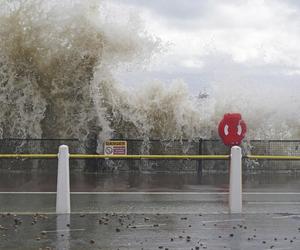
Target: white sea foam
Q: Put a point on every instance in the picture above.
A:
(57, 63)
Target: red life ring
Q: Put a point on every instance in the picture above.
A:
(232, 129)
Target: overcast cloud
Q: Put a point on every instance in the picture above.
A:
(254, 41)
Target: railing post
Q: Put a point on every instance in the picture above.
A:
(63, 205)
(200, 161)
(235, 181)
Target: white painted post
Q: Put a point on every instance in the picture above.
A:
(63, 205)
(63, 227)
(235, 181)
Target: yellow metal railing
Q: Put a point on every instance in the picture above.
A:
(208, 157)
(26, 156)
(272, 157)
(89, 156)
(137, 157)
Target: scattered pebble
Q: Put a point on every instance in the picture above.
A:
(18, 221)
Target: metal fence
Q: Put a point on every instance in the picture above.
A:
(273, 147)
(38, 146)
(136, 146)
(212, 147)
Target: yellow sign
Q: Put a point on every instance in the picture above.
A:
(115, 148)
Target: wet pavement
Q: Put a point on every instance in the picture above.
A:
(151, 231)
(149, 211)
(151, 203)
(45, 181)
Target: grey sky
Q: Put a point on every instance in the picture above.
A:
(222, 41)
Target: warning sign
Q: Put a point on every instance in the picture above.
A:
(115, 148)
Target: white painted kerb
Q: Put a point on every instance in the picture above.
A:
(235, 181)
(63, 205)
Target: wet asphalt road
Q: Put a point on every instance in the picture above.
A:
(34, 191)
(151, 231)
(45, 181)
(150, 203)
(154, 211)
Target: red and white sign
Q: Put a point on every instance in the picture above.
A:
(232, 129)
(115, 148)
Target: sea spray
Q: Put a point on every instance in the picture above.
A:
(57, 64)
(270, 111)
(49, 53)
(155, 111)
